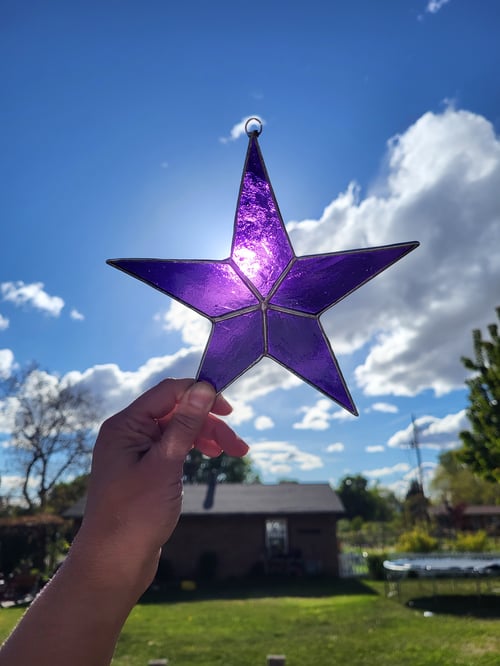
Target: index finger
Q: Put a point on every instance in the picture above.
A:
(221, 406)
(216, 434)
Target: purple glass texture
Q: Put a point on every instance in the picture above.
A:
(310, 356)
(263, 300)
(235, 344)
(261, 248)
(197, 284)
(313, 284)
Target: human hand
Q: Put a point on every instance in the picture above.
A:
(135, 490)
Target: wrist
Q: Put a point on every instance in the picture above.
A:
(78, 615)
(110, 564)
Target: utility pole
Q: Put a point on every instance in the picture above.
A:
(420, 506)
(414, 444)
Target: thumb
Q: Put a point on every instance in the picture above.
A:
(187, 421)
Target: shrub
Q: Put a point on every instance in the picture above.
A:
(472, 543)
(417, 540)
(375, 564)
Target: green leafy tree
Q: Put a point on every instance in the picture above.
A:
(387, 505)
(362, 502)
(416, 504)
(63, 495)
(455, 484)
(357, 501)
(481, 443)
(223, 469)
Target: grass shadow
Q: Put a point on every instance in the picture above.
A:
(255, 588)
(484, 606)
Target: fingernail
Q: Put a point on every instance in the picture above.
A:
(201, 395)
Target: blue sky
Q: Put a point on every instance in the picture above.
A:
(119, 138)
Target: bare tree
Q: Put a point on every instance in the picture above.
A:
(51, 431)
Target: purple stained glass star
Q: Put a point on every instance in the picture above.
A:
(264, 300)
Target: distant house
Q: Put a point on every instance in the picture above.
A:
(470, 517)
(288, 528)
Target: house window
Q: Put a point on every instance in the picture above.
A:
(276, 537)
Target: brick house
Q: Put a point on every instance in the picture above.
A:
(287, 528)
(469, 517)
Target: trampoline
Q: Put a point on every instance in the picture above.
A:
(442, 567)
(450, 572)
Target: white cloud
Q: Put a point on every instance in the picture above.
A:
(276, 457)
(337, 447)
(116, 388)
(77, 316)
(427, 471)
(8, 409)
(440, 186)
(4, 323)
(32, 295)
(433, 6)
(243, 412)
(449, 424)
(38, 382)
(263, 423)
(316, 417)
(432, 432)
(6, 363)
(10, 483)
(193, 328)
(11, 487)
(263, 379)
(239, 129)
(398, 487)
(376, 448)
(401, 485)
(384, 407)
(380, 472)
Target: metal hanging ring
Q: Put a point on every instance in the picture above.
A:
(255, 132)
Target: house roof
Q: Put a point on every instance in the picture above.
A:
(252, 499)
(471, 510)
(258, 498)
(482, 510)
(31, 521)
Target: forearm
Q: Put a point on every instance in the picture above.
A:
(87, 603)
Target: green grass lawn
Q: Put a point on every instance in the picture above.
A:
(312, 623)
